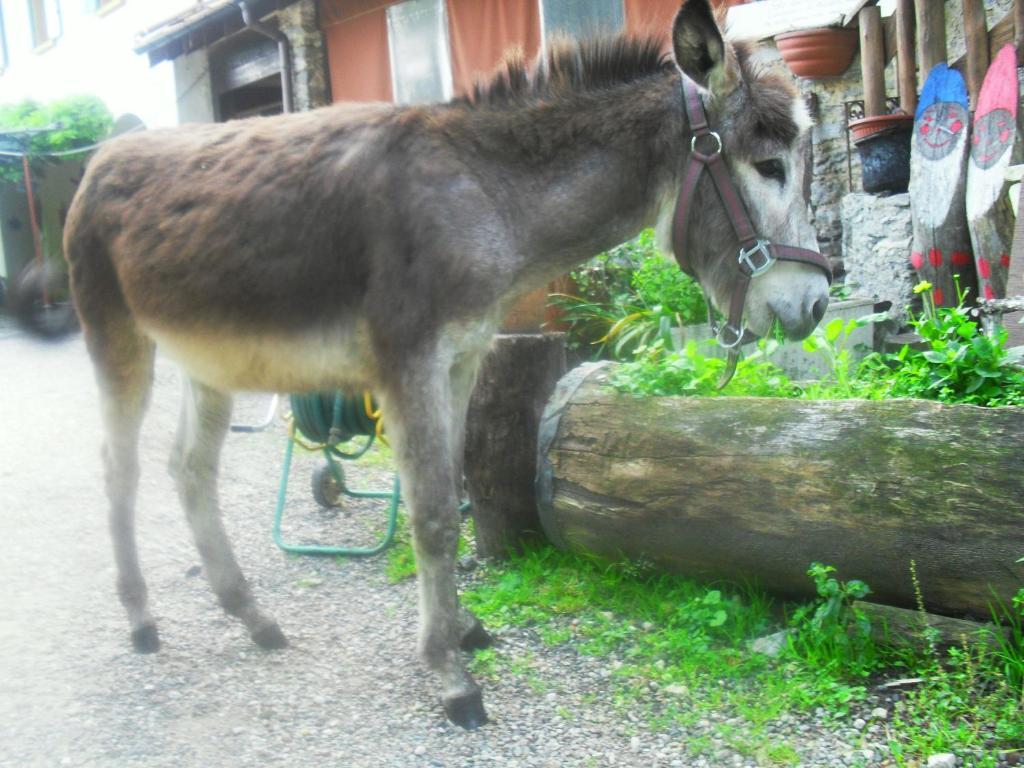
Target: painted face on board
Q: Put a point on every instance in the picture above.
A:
(993, 134)
(939, 129)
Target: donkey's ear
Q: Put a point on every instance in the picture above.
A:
(702, 53)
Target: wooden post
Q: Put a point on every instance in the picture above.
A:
(931, 34)
(872, 60)
(906, 67)
(989, 213)
(1018, 30)
(1015, 280)
(514, 384)
(976, 33)
(938, 176)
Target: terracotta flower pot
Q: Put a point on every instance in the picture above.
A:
(869, 126)
(822, 52)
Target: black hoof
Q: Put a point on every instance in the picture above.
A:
(270, 638)
(476, 638)
(466, 710)
(146, 639)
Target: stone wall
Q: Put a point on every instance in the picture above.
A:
(301, 23)
(876, 240)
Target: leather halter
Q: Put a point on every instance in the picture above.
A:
(756, 255)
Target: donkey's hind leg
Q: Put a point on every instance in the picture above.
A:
(204, 424)
(418, 408)
(123, 360)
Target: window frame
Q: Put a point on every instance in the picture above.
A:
(39, 11)
(544, 31)
(102, 7)
(445, 65)
(4, 60)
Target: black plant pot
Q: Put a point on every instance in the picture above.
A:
(885, 158)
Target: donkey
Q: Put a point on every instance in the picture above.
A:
(378, 246)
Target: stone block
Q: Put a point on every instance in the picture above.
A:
(877, 235)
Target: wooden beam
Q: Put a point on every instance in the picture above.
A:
(872, 60)
(931, 34)
(906, 67)
(976, 36)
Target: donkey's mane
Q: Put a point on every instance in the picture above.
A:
(571, 67)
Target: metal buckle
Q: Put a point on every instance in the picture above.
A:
(761, 246)
(717, 151)
(723, 331)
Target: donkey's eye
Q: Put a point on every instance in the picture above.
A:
(772, 169)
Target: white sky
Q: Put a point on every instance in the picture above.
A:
(92, 55)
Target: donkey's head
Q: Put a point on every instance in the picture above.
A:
(760, 125)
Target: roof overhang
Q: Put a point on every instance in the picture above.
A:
(199, 26)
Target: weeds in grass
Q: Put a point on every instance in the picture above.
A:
(832, 633)
(691, 640)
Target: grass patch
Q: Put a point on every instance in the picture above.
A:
(692, 639)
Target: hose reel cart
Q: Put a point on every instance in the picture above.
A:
(324, 421)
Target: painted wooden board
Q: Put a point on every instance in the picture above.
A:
(938, 185)
(989, 214)
(1015, 279)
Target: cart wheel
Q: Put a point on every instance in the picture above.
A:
(326, 491)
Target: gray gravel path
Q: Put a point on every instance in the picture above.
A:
(347, 692)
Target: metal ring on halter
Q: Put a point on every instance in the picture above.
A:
(761, 246)
(726, 328)
(717, 151)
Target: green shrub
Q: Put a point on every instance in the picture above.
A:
(961, 364)
(626, 298)
(78, 121)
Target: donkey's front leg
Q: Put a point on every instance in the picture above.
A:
(473, 636)
(418, 416)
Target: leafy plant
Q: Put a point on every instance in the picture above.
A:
(77, 121)
(1010, 642)
(962, 364)
(658, 371)
(831, 632)
(627, 298)
(832, 344)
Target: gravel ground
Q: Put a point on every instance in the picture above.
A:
(348, 691)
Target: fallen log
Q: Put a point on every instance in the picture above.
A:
(756, 489)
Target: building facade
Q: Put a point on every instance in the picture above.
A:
(50, 49)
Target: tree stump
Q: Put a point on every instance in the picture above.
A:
(514, 384)
(757, 489)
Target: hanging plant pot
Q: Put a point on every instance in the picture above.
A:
(883, 143)
(822, 52)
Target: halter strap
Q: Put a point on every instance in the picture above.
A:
(756, 255)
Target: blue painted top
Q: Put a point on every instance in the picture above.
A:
(943, 84)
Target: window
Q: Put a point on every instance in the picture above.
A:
(3, 43)
(46, 22)
(581, 18)
(101, 6)
(421, 70)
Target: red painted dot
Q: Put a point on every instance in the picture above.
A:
(937, 295)
(1005, 260)
(916, 260)
(989, 293)
(984, 269)
(935, 255)
(960, 258)
(956, 126)
(925, 129)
